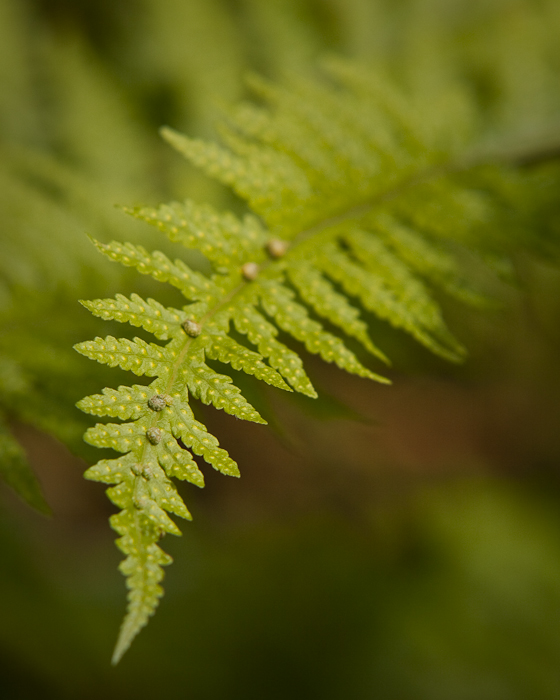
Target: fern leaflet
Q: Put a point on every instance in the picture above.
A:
(343, 184)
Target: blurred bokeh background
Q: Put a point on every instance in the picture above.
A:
(396, 543)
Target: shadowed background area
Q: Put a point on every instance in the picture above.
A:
(383, 542)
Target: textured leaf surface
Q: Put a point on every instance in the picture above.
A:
(357, 205)
(126, 402)
(193, 285)
(134, 355)
(222, 237)
(149, 314)
(225, 349)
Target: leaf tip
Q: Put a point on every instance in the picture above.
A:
(121, 648)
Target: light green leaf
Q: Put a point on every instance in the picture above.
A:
(263, 335)
(377, 297)
(125, 403)
(122, 437)
(223, 238)
(193, 285)
(195, 436)
(320, 294)
(150, 314)
(217, 389)
(264, 177)
(178, 462)
(135, 355)
(226, 350)
(279, 302)
(142, 567)
(356, 205)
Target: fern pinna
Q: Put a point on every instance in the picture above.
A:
(355, 201)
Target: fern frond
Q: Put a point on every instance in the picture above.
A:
(354, 204)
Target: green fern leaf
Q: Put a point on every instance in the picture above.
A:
(263, 334)
(16, 472)
(192, 284)
(263, 176)
(320, 294)
(149, 314)
(222, 238)
(195, 437)
(126, 402)
(429, 260)
(218, 346)
(279, 303)
(142, 567)
(353, 207)
(134, 355)
(216, 389)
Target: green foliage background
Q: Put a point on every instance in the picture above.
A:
(342, 571)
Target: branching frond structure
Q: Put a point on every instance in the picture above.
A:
(356, 204)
